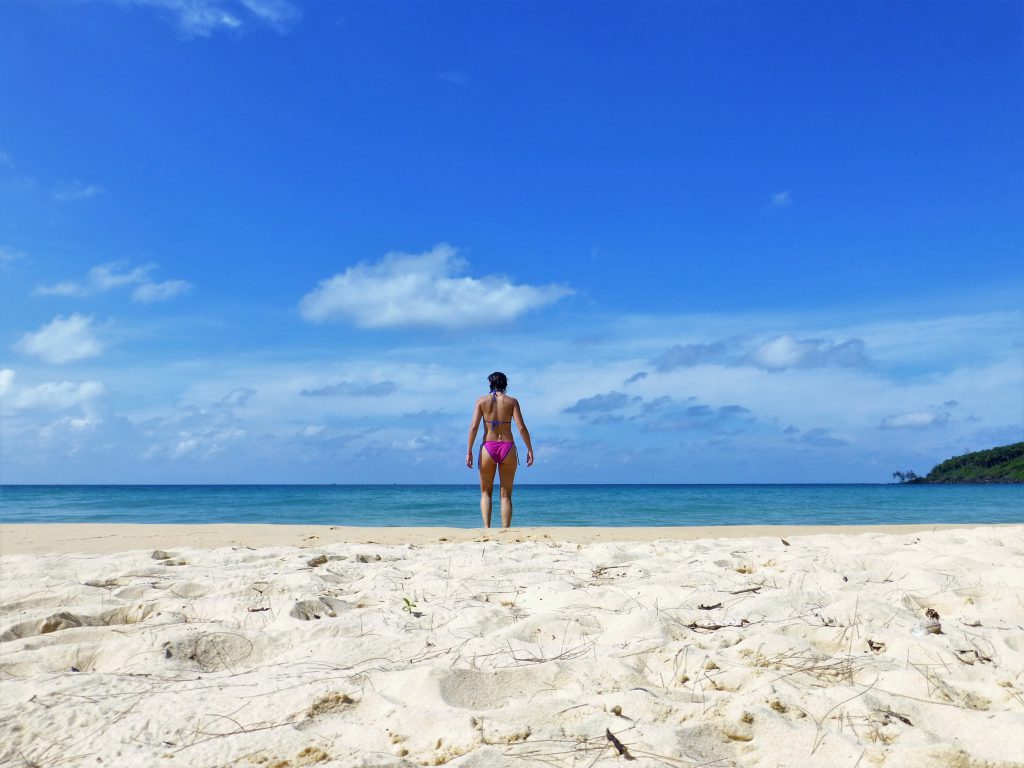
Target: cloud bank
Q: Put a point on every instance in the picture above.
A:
(660, 414)
(58, 395)
(775, 354)
(915, 420)
(687, 355)
(613, 401)
(373, 389)
(785, 351)
(423, 289)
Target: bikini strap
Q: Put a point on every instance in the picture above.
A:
(495, 422)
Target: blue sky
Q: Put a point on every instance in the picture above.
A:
(279, 241)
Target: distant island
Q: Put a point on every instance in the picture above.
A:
(1004, 464)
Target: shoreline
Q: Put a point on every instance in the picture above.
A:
(107, 538)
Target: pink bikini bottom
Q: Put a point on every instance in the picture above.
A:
(497, 449)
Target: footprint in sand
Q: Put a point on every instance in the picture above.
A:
(478, 689)
(212, 651)
(128, 614)
(187, 589)
(52, 623)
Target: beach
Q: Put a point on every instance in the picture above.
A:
(261, 645)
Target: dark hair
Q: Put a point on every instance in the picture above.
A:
(498, 382)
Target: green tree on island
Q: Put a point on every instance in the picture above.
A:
(1004, 464)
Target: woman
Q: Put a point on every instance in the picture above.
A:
(498, 453)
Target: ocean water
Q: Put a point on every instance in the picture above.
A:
(458, 505)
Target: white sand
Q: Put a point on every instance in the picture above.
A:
(119, 537)
(723, 652)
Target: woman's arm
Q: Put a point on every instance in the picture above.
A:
(517, 414)
(474, 425)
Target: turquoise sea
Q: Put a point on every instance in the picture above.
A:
(458, 505)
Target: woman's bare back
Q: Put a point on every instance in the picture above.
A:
(497, 413)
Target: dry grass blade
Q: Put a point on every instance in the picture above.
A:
(753, 590)
(824, 670)
(568, 753)
(818, 722)
(571, 653)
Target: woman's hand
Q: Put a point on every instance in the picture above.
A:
(529, 457)
(469, 459)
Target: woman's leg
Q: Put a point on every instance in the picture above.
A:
(487, 467)
(508, 478)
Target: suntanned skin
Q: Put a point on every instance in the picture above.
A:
(501, 408)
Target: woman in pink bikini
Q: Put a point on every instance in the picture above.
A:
(497, 452)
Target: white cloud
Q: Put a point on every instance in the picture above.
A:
(192, 407)
(422, 289)
(103, 277)
(782, 199)
(202, 18)
(75, 190)
(6, 381)
(63, 288)
(168, 289)
(58, 395)
(775, 354)
(780, 352)
(186, 444)
(62, 340)
(915, 420)
(204, 444)
(116, 274)
(100, 278)
(274, 12)
(785, 351)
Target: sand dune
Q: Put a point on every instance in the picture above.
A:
(724, 652)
